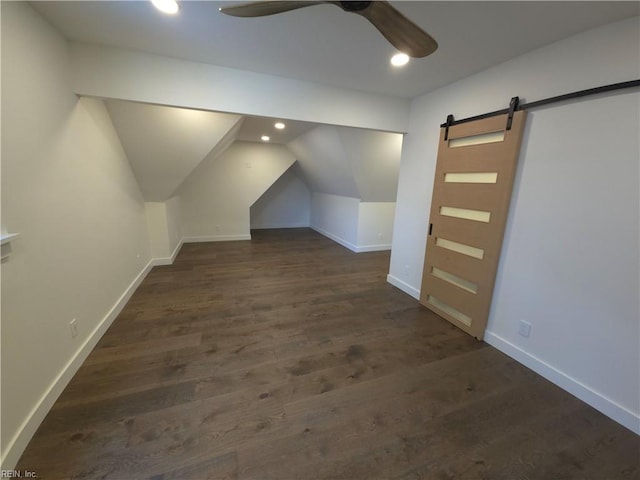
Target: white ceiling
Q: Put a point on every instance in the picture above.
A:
(326, 45)
(254, 127)
(165, 144)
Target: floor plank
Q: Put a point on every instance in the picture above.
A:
(290, 357)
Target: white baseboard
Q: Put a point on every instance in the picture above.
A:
(349, 245)
(158, 262)
(161, 261)
(405, 287)
(373, 248)
(19, 442)
(280, 225)
(600, 402)
(335, 238)
(217, 238)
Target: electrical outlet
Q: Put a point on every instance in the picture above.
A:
(524, 328)
(74, 328)
(217, 228)
(379, 236)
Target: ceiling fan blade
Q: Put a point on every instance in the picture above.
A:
(261, 9)
(401, 32)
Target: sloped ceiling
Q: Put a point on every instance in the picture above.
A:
(166, 147)
(375, 162)
(350, 162)
(323, 162)
(165, 144)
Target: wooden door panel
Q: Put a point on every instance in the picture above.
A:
(461, 163)
(456, 297)
(467, 218)
(476, 234)
(483, 197)
(461, 265)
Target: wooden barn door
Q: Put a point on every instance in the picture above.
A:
(471, 195)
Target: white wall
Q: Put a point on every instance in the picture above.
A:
(336, 217)
(353, 174)
(156, 216)
(120, 74)
(570, 258)
(375, 225)
(217, 196)
(68, 189)
(164, 225)
(359, 226)
(286, 204)
(173, 208)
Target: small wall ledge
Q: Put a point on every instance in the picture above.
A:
(5, 245)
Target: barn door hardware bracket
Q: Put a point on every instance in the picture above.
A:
(447, 125)
(513, 106)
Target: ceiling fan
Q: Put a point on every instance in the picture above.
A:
(401, 32)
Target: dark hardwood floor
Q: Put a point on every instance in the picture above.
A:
(289, 357)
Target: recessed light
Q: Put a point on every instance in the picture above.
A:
(265, 138)
(166, 6)
(279, 125)
(399, 59)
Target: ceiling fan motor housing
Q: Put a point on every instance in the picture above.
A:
(354, 6)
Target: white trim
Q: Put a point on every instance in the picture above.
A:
(600, 402)
(8, 237)
(335, 238)
(158, 262)
(280, 225)
(28, 428)
(161, 261)
(405, 287)
(373, 248)
(216, 238)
